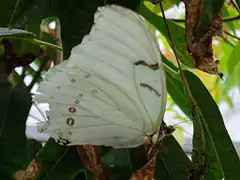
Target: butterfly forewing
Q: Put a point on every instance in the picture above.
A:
(102, 95)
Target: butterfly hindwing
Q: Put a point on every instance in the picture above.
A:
(111, 91)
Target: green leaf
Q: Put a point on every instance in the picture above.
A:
(237, 70)
(14, 108)
(209, 9)
(5, 32)
(234, 59)
(177, 33)
(116, 157)
(172, 162)
(226, 13)
(166, 5)
(118, 163)
(123, 162)
(33, 147)
(19, 34)
(12, 9)
(59, 162)
(15, 14)
(217, 139)
(238, 3)
(175, 88)
(26, 15)
(232, 78)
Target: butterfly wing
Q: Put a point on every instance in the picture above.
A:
(119, 39)
(103, 95)
(84, 109)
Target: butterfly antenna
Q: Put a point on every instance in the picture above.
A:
(186, 132)
(182, 122)
(192, 135)
(175, 126)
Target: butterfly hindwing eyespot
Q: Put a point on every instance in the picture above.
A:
(94, 91)
(70, 121)
(58, 87)
(73, 81)
(87, 76)
(72, 109)
(76, 101)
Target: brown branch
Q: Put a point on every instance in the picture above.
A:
(56, 34)
(177, 20)
(31, 171)
(231, 18)
(58, 40)
(224, 19)
(12, 60)
(146, 172)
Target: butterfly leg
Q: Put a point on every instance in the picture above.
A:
(62, 141)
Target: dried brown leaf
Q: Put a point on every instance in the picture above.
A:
(90, 156)
(200, 45)
(30, 173)
(146, 173)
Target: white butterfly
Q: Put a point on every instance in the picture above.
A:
(112, 89)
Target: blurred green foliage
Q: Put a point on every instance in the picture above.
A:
(63, 163)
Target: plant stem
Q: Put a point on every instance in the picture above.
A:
(13, 13)
(225, 19)
(59, 55)
(229, 34)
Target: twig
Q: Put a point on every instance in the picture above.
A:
(184, 80)
(195, 110)
(186, 87)
(146, 172)
(224, 19)
(231, 18)
(58, 40)
(31, 171)
(229, 34)
(234, 5)
(227, 41)
(177, 20)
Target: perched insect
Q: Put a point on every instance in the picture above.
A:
(112, 89)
